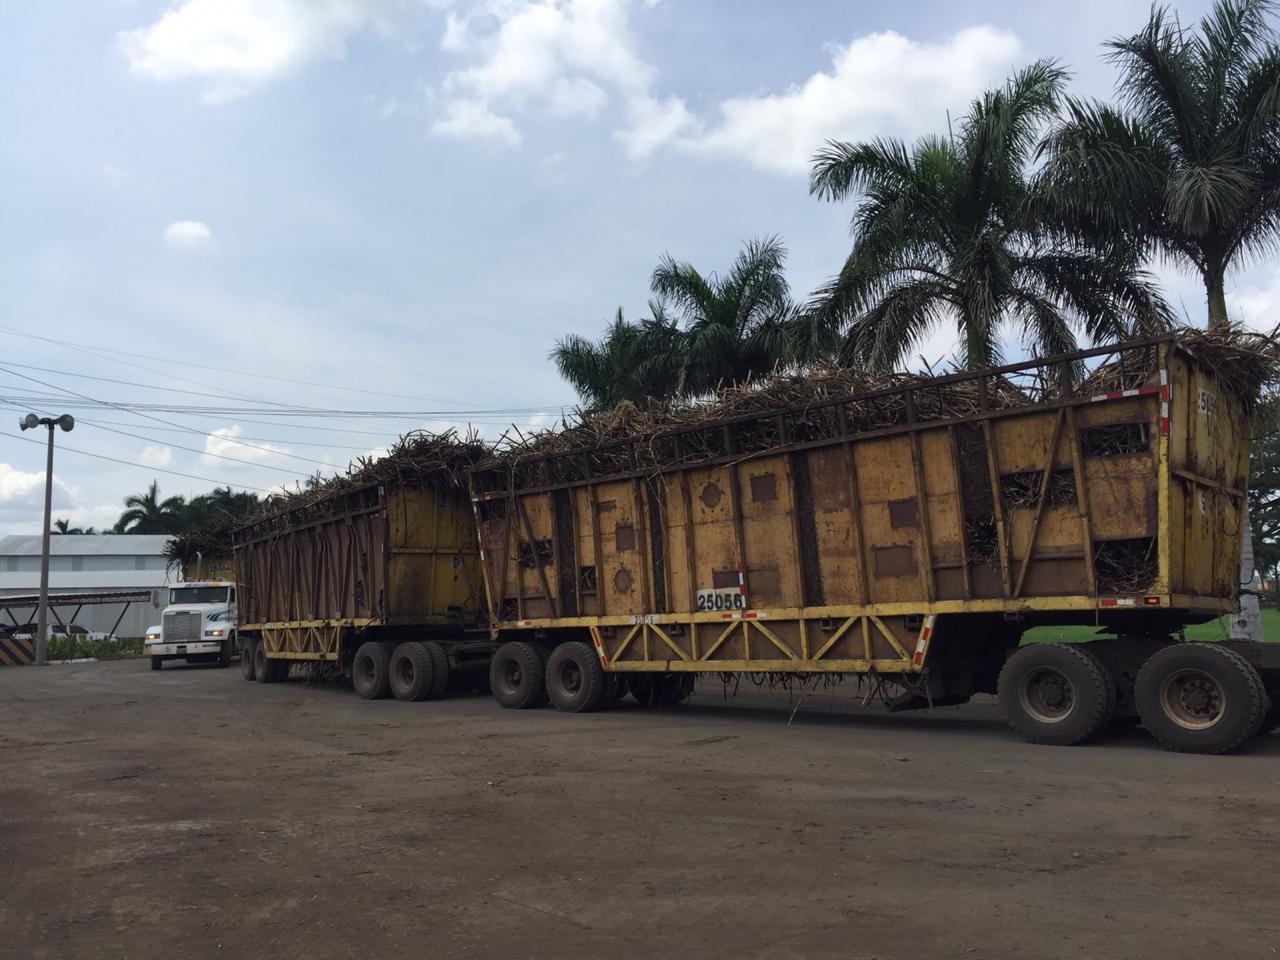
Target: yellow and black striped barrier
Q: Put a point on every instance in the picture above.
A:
(16, 653)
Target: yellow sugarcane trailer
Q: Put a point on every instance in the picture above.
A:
(905, 537)
(379, 581)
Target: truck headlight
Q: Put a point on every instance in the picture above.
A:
(213, 633)
(153, 636)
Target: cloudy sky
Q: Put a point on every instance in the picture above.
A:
(399, 205)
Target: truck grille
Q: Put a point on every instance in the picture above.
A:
(181, 627)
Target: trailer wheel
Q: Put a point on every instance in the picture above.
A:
(265, 669)
(1056, 694)
(156, 663)
(1200, 698)
(575, 679)
(517, 675)
(1272, 719)
(675, 688)
(247, 670)
(412, 672)
(643, 687)
(371, 671)
(439, 670)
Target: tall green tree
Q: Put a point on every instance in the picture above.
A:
(632, 361)
(147, 513)
(949, 231)
(706, 330)
(1188, 165)
(220, 503)
(735, 325)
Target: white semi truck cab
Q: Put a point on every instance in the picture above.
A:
(198, 625)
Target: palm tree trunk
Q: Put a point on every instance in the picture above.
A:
(1248, 625)
(1214, 276)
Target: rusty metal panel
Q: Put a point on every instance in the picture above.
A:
(400, 556)
(974, 512)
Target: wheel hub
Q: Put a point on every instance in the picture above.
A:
(1193, 699)
(1047, 695)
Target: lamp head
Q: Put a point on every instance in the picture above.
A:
(29, 422)
(66, 422)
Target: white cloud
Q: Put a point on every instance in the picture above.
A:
(236, 46)
(465, 119)
(577, 95)
(1256, 302)
(20, 490)
(156, 456)
(557, 54)
(880, 84)
(223, 442)
(652, 123)
(190, 234)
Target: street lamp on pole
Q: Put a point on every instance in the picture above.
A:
(30, 422)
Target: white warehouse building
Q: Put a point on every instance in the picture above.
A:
(106, 563)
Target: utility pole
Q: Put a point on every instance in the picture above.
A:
(30, 422)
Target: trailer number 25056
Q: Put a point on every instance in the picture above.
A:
(727, 598)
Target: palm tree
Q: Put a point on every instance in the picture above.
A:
(219, 504)
(63, 526)
(735, 328)
(632, 361)
(949, 231)
(1188, 166)
(147, 513)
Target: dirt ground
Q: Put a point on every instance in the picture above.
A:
(191, 814)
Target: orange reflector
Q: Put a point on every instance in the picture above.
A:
(1152, 601)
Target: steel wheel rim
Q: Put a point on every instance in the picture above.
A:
(366, 670)
(405, 669)
(1047, 695)
(570, 677)
(511, 676)
(1192, 699)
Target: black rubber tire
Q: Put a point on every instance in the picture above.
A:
(1270, 720)
(517, 675)
(1243, 694)
(1088, 682)
(265, 669)
(575, 678)
(440, 670)
(412, 672)
(247, 670)
(157, 663)
(675, 688)
(371, 671)
(224, 654)
(644, 688)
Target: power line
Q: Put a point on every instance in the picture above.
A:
(200, 366)
(291, 442)
(82, 396)
(138, 466)
(176, 446)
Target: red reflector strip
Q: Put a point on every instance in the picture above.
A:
(922, 644)
(1120, 394)
(735, 615)
(1118, 602)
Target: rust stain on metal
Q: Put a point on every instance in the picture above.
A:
(710, 496)
(623, 581)
(625, 536)
(764, 486)
(904, 513)
(898, 561)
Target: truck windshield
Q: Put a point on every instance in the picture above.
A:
(198, 595)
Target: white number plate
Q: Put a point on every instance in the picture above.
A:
(722, 598)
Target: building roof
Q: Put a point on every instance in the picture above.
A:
(76, 545)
